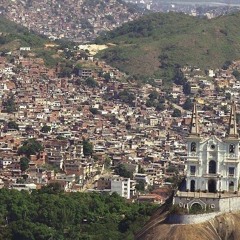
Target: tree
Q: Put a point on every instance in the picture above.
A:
(52, 188)
(122, 171)
(77, 69)
(107, 162)
(153, 95)
(24, 164)
(228, 96)
(226, 65)
(160, 107)
(90, 82)
(94, 111)
(65, 72)
(172, 169)
(126, 97)
(176, 113)
(9, 104)
(87, 148)
(207, 108)
(236, 74)
(140, 186)
(30, 147)
(187, 88)
(179, 77)
(13, 125)
(45, 129)
(188, 105)
(107, 77)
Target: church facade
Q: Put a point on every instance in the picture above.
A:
(212, 170)
(212, 164)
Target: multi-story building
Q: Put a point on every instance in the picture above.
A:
(121, 186)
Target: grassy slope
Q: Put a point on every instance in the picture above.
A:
(15, 36)
(173, 39)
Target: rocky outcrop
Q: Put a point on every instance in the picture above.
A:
(225, 227)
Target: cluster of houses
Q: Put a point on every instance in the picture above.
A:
(62, 112)
(77, 20)
(207, 9)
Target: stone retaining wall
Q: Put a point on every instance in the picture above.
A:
(191, 219)
(221, 205)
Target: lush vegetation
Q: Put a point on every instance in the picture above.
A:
(30, 147)
(9, 104)
(87, 147)
(13, 125)
(20, 35)
(14, 36)
(122, 171)
(45, 129)
(157, 44)
(51, 214)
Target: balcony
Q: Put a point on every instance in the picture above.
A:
(193, 154)
(211, 175)
(231, 158)
(192, 157)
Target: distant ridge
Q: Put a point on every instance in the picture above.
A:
(154, 45)
(21, 36)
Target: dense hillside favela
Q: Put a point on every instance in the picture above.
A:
(136, 138)
(77, 20)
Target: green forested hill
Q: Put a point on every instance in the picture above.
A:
(156, 43)
(50, 214)
(13, 35)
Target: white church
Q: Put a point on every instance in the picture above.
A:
(212, 170)
(212, 164)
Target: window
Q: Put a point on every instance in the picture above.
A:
(193, 147)
(231, 171)
(192, 170)
(192, 186)
(212, 167)
(231, 148)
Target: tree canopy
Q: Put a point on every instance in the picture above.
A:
(30, 147)
(9, 104)
(87, 147)
(45, 129)
(176, 113)
(122, 171)
(13, 125)
(188, 105)
(24, 163)
(42, 215)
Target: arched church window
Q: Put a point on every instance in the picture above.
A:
(231, 148)
(212, 167)
(192, 186)
(193, 147)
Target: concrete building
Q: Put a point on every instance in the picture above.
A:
(121, 186)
